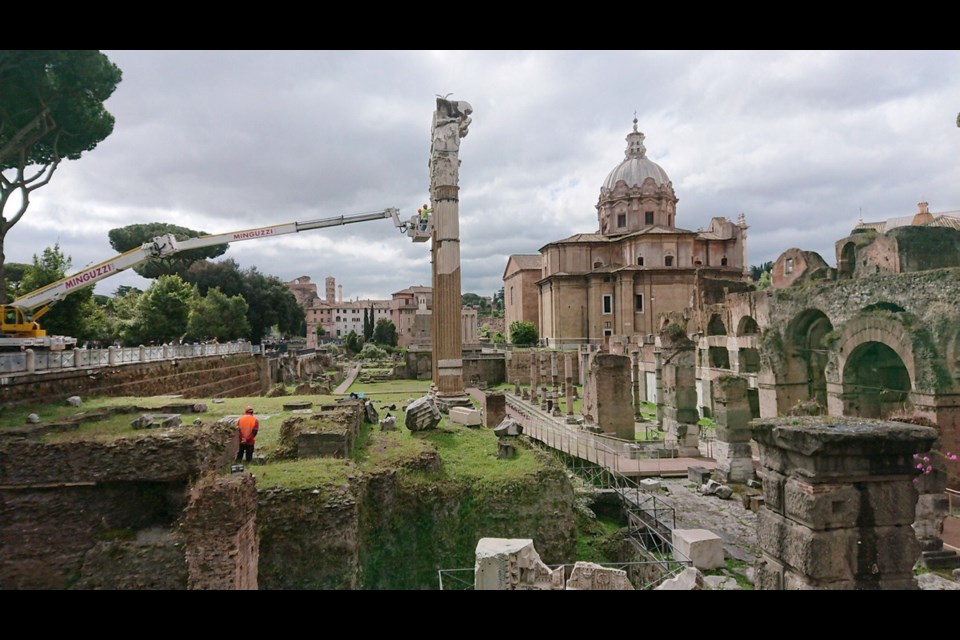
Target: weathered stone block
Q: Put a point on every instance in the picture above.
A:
(690, 579)
(650, 484)
(290, 406)
(842, 447)
(74, 401)
(512, 564)
(704, 548)
(587, 576)
(831, 506)
(33, 419)
(388, 424)
(422, 414)
(699, 475)
(371, 414)
(773, 485)
(494, 409)
(840, 554)
(508, 428)
(466, 416)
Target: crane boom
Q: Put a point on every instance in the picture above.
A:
(19, 317)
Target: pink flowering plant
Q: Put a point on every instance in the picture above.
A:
(926, 463)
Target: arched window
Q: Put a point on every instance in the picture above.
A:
(640, 260)
(668, 261)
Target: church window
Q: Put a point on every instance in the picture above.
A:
(788, 267)
(668, 261)
(723, 262)
(621, 219)
(640, 260)
(607, 304)
(638, 302)
(648, 217)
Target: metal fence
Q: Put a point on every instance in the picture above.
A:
(34, 361)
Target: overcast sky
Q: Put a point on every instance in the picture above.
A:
(802, 143)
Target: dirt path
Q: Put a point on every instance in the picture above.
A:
(351, 376)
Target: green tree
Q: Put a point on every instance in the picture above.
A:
(765, 281)
(51, 108)
(756, 271)
(270, 302)
(271, 305)
(15, 272)
(385, 332)
(75, 315)
(163, 309)
(218, 316)
(367, 326)
(353, 342)
(523, 333)
(123, 316)
(123, 239)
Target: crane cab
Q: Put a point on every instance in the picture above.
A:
(15, 322)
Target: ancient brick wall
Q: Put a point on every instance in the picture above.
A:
(89, 514)
(230, 376)
(219, 528)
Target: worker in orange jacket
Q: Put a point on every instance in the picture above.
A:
(248, 426)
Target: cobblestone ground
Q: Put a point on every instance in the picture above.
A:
(735, 525)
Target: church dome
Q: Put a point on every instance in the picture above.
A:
(636, 167)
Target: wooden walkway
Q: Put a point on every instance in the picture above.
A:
(621, 456)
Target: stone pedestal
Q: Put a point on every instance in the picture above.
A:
(568, 381)
(731, 412)
(606, 396)
(494, 409)
(838, 503)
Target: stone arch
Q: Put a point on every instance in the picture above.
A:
(847, 263)
(747, 326)
(866, 329)
(876, 382)
(715, 326)
(805, 356)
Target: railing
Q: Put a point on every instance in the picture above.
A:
(33, 361)
(953, 503)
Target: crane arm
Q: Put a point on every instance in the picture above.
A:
(39, 301)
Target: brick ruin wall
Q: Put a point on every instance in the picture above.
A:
(148, 512)
(230, 376)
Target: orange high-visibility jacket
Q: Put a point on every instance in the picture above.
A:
(249, 426)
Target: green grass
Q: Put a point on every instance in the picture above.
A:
(467, 454)
(304, 474)
(597, 539)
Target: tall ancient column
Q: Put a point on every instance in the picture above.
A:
(450, 123)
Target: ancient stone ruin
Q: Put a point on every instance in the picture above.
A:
(839, 503)
(422, 414)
